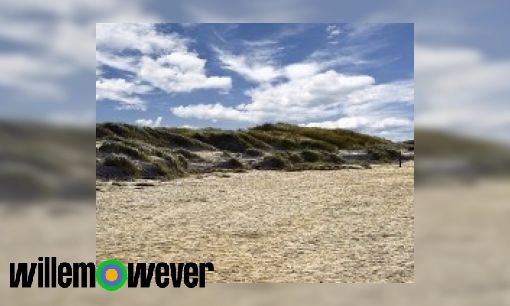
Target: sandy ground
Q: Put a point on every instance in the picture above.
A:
(461, 235)
(268, 226)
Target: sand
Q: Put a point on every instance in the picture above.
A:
(267, 226)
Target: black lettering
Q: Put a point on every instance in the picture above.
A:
(63, 274)
(46, 272)
(191, 270)
(84, 276)
(162, 270)
(141, 273)
(176, 275)
(203, 266)
(40, 273)
(22, 274)
(53, 272)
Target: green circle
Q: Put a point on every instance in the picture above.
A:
(120, 266)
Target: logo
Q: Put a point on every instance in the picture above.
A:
(110, 274)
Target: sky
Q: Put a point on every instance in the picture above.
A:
(352, 76)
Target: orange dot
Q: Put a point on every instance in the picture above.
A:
(111, 275)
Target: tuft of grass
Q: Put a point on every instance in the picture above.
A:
(334, 159)
(226, 140)
(161, 168)
(384, 154)
(313, 144)
(254, 152)
(234, 163)
(122, 148)
(123, 163)
(295, 158)
(189, 155)
(182, 162)
(275, 162)
(311, 156)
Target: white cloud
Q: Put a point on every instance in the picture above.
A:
(214, 112)
(142, 37)
(251, 68)
(124, 63)
(301, 70)
(463, 91)
(399, 91)
(260, 43)
(180, 72)
(260, 64)
(122, 91)
(149, 122)
(56, 37)
(342, 123)
(191, 127)
(333, 30)
(361, 30)
(33, 76)
(322, 90)
(309, 97)
(308, 90)
(85, 119)
(163, 61)
(363, 123)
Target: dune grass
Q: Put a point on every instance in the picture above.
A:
(276, 146)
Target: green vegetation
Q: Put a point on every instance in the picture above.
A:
(274, 162)
(127, 167)
(169, 152)
(384, 154)
(334, 159)
(264, 137)
(295, 158)
(189, 155)
(122, 148)
(311, 156)
(254, 152)
(234, 163)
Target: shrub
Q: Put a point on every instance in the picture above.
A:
(167, 168)
(254, 152)
(182, 162)
(228, 141)
(253, 141)
(295, 158)
(275, 162)
(383, 154)
(122, 148)
(313, 144)
(161, 168)
(234, 163)
(334, 158)
(311, 156)
(124, 164)
(102, 132)
(189, 155)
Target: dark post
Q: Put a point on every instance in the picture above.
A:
(400, 159)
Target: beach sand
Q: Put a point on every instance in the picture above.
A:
(267, 226)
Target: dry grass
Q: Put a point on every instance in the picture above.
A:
(268, 226)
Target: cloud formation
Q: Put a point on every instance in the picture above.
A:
(154, 61)
(150, 122)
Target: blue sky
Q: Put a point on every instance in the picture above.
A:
(354, 76)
